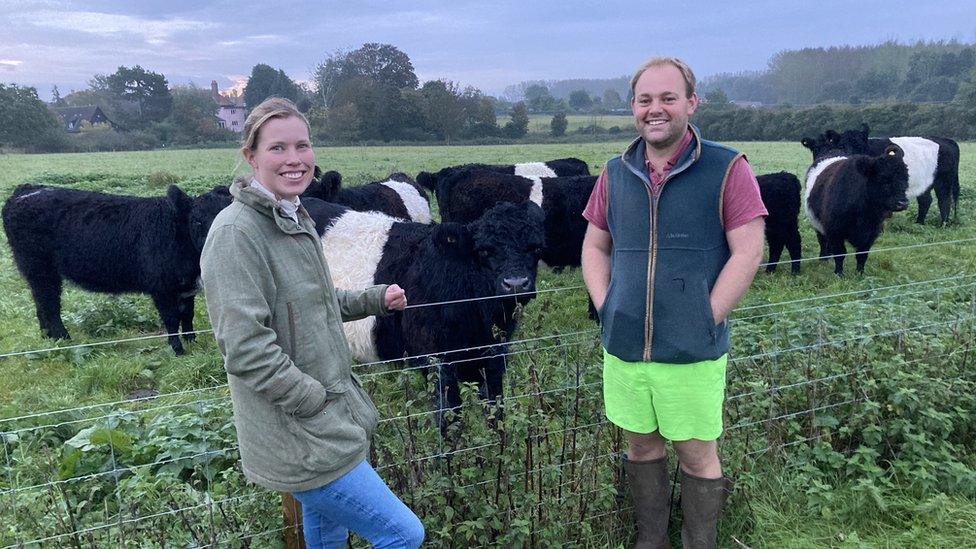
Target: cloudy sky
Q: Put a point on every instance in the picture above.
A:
(488, 45)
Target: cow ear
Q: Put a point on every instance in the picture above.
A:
(865, 130)
(426, 180)
(221, 190)
(807, 142)
(452, 239)
(895, 151)
(317, 173)
(179, 199)
(333, 181)
(831, 136)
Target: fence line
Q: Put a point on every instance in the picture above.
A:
(485, 298)
(732, 360)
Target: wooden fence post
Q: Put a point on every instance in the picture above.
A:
(291, 511)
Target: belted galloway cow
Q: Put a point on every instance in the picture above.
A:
(112, 244)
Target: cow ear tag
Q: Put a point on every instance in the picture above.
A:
(451, 240)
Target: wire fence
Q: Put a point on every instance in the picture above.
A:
(541, 463)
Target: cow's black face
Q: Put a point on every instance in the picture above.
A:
(205, 209)
(507, 241)
(890, 182)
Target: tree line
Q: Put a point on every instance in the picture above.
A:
(372, 94)
(886, 72)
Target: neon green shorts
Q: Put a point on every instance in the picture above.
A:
(684, 401)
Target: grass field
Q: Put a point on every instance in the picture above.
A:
(850, 411)
(539, 123)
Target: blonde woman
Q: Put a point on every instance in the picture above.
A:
(303, 421)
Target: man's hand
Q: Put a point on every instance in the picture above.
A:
(395, 298)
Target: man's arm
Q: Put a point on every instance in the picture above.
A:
(597, 245)
(746, 246)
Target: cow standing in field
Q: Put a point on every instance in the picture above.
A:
(397, 196)
(849, 198)
(562, 167)
(493, 257)
(933, 163)
(466, 195)
(112, 244)
(781, 195)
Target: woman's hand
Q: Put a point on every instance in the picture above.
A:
(395, 298)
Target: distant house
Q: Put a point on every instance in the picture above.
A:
(231, 110)
(749, 104)
(73, 117)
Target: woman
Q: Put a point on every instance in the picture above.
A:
(303, 421)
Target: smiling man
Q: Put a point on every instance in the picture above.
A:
(674, 239)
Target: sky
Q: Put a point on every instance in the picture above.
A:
(488, 45)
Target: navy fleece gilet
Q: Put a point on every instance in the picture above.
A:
(668, 250)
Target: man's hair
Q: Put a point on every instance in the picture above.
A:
(686, 72)
(272, 107)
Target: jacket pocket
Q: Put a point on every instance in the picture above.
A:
(363, 408)
(332, 437)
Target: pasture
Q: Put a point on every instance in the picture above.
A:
(850, 405)
(539, 123)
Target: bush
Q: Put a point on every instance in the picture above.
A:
(558, 125)
(161, 180)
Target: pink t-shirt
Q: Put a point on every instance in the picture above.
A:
(741, 202)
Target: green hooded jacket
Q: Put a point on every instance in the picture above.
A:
(302, 418)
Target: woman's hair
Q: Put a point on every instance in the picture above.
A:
(272, 107)
(685, 70)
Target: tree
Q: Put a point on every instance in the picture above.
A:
(538, 98)
(611, 99)
(717, 98)
(518, 126)
(265, 82)
(25, 120)
(56, 98)
(557, 126)
(482, 121)
(193, 116)
(443, 111)
(377, 73)
(343, 123)
(146, 89)
(579, 100)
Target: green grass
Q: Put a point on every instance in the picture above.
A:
(539, 123)
(781, 501)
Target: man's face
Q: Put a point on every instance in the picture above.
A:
(661, 107)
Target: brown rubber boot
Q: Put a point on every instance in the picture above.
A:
(651, 492)
(702, 500)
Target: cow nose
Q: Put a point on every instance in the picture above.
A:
(902, 205)
(517, 284)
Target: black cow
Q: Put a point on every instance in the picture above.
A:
(495, 255)
(824, 145)
(398, 195)
(466, 194)
(561, 167)
(781, 195)
(933, 163)
(113, 244)
(848, 198)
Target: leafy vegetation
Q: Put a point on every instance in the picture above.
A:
(850, 405)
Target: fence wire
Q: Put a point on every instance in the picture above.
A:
(578, 471)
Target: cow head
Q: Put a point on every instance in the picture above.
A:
(888, 180)
(203, 210)
(507, 241)
(324, 185)
(855, 141)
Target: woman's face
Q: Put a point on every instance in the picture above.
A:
(283, 160)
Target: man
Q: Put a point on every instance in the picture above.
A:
(676, 223)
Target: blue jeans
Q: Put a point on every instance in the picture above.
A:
(359, 501)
